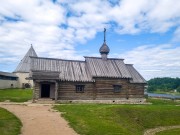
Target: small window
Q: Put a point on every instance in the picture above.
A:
(80, 88)
(117, 88)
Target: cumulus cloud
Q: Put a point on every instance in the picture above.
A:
(56, 27)
(177, 35)
(155, 60)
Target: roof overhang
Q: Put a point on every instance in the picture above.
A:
(44, 75)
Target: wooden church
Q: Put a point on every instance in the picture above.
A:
(95, 79)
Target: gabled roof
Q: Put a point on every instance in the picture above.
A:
(8, 74)
(136, 77)
(107, 68)
(24, 65)
(85, 71)
(70, 70)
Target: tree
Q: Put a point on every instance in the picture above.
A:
(163, 84)
(178, 89)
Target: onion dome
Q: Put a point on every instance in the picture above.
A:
(104, 49)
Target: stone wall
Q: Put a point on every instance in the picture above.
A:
(121, 101)
(8, 84)
(22, 79)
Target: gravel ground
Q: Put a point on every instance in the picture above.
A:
(39, 119)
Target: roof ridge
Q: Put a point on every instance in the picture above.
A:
(101, 58)
(56, 59)
(129, 64)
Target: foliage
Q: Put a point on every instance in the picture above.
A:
(15, 95)
(164, 84)
(9, 123)
(99, 119)
(175, 131)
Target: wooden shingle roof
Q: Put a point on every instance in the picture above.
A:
(24, 65)
(86, 71)
(135, 75)
(70, 70)
(107, 68)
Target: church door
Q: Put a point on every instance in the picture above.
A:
(45, 90)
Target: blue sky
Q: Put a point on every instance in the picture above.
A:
(145, 33)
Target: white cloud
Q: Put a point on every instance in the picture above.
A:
(155, 60)
(177, 35)
(33, 11)
(56, 28)
(155, 15)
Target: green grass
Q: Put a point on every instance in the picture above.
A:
(99, 119)
(155, 101)
(9, 123)
(175, 131)
(15, 95)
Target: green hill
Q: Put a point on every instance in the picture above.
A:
(165, 84)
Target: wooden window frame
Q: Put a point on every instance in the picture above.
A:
(80, 88)
(117, 88)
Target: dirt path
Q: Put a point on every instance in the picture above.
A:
(40, 120)
(153, 131)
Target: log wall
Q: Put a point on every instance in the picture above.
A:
(67, 91)
(37, 90)
(101, 89)
(136, 90)
(105, 90)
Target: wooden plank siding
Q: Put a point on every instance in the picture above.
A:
(67, 91)
(101, 89)
(105, 89)
(136, 90)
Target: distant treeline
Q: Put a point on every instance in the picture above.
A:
(165, 84)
